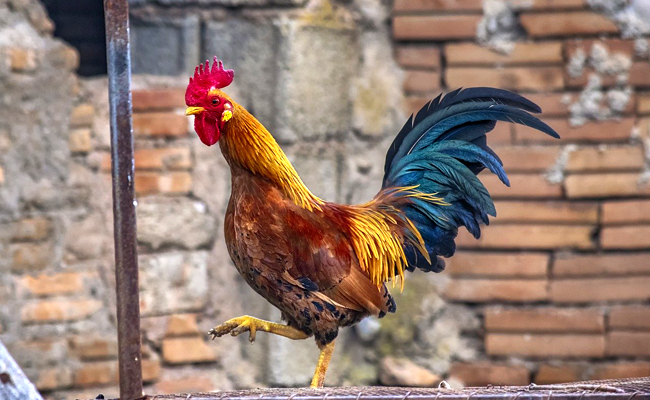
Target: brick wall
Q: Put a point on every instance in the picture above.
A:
(561, 279)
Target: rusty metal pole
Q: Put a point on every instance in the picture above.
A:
(116, 13)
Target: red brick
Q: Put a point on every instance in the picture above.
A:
(152, 183)
(643, 103)
(628, 344)
(502, 265)
(159, 124)
(605, 185)
(580, 81)
(519, 236)
(438, 5)
(44, 311)
(53, 378)
(82, 116)
(164, 158)
(545, 345)
(630, 317)
(2, 175)
(151, 369)
(548, 4)
(566, 24)
(608, 264)
(186, 350)
(597, 132)
(639, 73)
(485, 373)
(527, 158)
(31, 229)
(419, 81)
(93, 348)
(590, 290)
(435, 27)
(158, 99)
(96, 374)
(550, 374)
(522, 186)
(546, 212)
(514, 78)
(552, 104)
(501, 134)
(575, 320)
(418, 57)
(414, 102)
(626, 237)
(181, 325)
(54, 284)
(621, 370)
(468, 54)
(625, 46)
(623, 158)
(496, 290)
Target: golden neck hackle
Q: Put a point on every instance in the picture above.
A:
(249, 145)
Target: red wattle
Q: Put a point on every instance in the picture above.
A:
(207, 129)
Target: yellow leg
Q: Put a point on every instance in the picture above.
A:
(321, 368)
(239, 325)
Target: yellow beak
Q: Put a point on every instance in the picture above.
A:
(194, 110)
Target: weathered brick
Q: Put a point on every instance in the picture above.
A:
(82, 116)
(639, 73)
(527, 158)
(437, 5)
(591, 290)
(435, 27)
(23, 59)
(40, 352)
(580, 81)
(79, 141)
(605, 185)
(548, 4)
(621, 370)
(93, 348)
(44, 311)
(53, 378)
(30, 256)
(606, 159)
(496, 290)
(552, 104)
(418, 57)
(643, 103)
(597, 132)
(613, 45)
(519, 236)
(2, 175)
(38, 228)
(522, 186)
(158, 99)
(151, 369)
(549, 374)
(545, 345)
(186, 350)
(164, 158)
(55, 284)
(514, 78)
(626, 237)
(96, 374)
(628, 344)
(153, 182)
(575, 320)
(566, 24)
(159, 124)
(414, 102)
(546, 212)
(421, 81)
(510, 265)
(523, 53)
(630, 317)
(486, 373)
(195, 383)
(181, 325)
(608, 264)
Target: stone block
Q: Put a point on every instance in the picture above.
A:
(173, 282)
(178, 221)
(39, 353)
(318, 166)
(30, 256)
(31, 229)
(165, 46)
(251, 49)
(404, 372)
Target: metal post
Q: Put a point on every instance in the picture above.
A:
(116, 14)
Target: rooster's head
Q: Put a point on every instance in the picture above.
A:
(211, 108)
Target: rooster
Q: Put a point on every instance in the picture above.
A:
(327, 265)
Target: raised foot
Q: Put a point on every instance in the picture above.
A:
(237, 326)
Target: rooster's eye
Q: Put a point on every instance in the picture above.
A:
(215, 101)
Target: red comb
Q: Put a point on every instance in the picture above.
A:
(216, 76)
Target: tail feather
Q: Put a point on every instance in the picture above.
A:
(440, 151)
